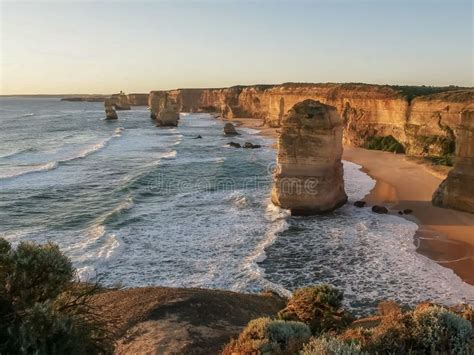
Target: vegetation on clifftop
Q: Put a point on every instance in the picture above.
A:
(426, 329)
(42, 309)
(411, 91)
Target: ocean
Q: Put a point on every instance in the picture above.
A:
(136, 205)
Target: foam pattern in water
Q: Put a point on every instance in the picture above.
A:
(371, 257)
(138, 205)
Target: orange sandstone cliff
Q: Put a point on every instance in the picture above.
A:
(457, 190)
(424, 125)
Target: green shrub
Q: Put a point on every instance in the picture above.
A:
(390, 336)
(264, 335)
(330, 346)
(318, 306)
(434, 328)
(444, 160)
(444, 145)
(386, 144)
(425, 330)
(42, 309)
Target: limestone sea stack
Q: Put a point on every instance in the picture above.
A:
(121, 101)
(110, 112)
(309, 175)
(164, 108)
(457, 190)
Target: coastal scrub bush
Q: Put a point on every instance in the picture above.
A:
(326, 345)
(268, 336)
(434, 328)
(425, 330)
(43, 310)
(320, 307)
(386, 144)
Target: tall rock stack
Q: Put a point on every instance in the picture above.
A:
(309, 177)
(110, 112)
(457, 190)
(164, 108)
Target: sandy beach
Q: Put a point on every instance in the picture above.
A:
(444, 235)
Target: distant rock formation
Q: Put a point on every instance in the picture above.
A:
(164, 108)
(421, 119)
(229, 129)
(120, 101)
(309, 177)
(137, 99)
(110, 112)
(85, 98)
(457, 190)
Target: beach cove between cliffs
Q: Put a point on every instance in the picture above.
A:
(136, 205)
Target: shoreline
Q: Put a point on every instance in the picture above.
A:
(445, 236)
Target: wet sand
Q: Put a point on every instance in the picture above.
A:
(444, 235)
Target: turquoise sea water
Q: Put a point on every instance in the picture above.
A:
(137, 205)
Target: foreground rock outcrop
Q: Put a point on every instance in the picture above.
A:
(457, 190)
(309, 177)
(164, 108)
(110, 112)
(159, 320)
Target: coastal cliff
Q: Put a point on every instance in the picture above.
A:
(457, 190)
(309, 177)
(164, 107)
(424, 125)
(138, 99)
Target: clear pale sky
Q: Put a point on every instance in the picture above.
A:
(105, 46)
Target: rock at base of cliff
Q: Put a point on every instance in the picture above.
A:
(249, 145)
(360, 204)
(309, 177)
(379, 209)
(229, 129)
(234, 144)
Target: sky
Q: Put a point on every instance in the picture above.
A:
(80, 47)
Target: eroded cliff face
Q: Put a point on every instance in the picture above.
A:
(424, 126)
(164, 107)
(309, 177)
(432, 121)
(457, 190)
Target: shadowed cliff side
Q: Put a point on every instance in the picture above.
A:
(309, 177)
(457, 190)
